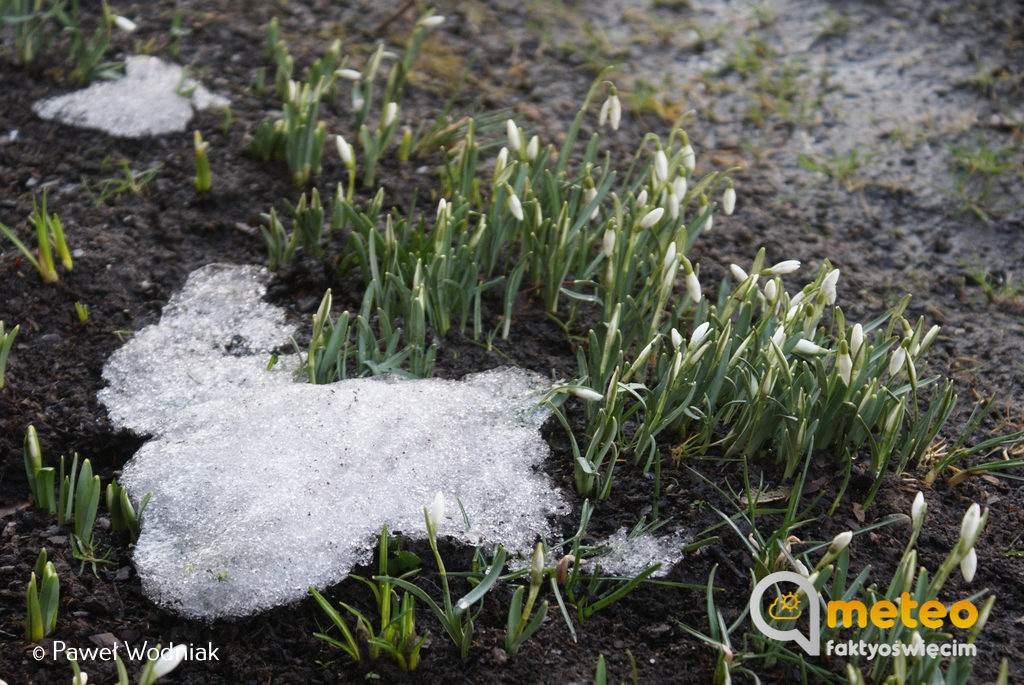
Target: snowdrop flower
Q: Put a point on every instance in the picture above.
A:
(512, 132)
(348, 74)
(804, 346)
(435, 512)
(481, 229)
(693, 286)
(442, 208)
(689, 158)
(828, 286)
(126, 25)
(588, 196)
(168, 661)
(785, 267)
(856, 339)
(729, 200)
(917, 642)
(588, 394)
(969, 526)
(899, 357)
(779, 336)
(533, 148)
(928, 338)
(641, 199)
(845, 363)
(770, 291)
(969, 565)
(501, 161)
(80, 678)
(611, 111)
(515, 206)
(345, 151)
(390, 114)
(840, 542)
(432, 21)
(699, 333)
(738, 273)
(661, 166)
(918, 509)
(652, 217)
(608, 243)
(673, 203)
(711, 217)
(677, 338)
(800, 568)
(679, 187)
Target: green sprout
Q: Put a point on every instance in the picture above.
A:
(50, 237)
(6, 343)
(42, 599)
(203, 181)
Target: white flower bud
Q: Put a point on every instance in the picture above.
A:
(969, 565)
(588, 196)
(432, 21)
(348, 74)
(738, 273)
(828, 286)
(345, 151)
(615, 115)
(679, 187)
(785, 267)
(501, 161)
(841, 542)
(917, 642)
(670, 256)
(80, 679)
(652, 217)
(436, 510)
(845, 367)
(481, 229)
(168, 661)
(390, 114)
(693, 286)
(512, 131)
(608, 243)
(779, 336)
(918, 509)
(125, 24)
(641, 199)
(660, 166)
(689, 158)
(602, 116)
(677, 338)
(899, 357)
(729, 200)
(588, 394)
(442, 207)
(533, 148)
(928, 338)
(972, 519)
(770, 291)
(515, 206)
(856, 339)
(807, 347)
(699, 333)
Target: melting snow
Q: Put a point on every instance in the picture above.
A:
(145, 102)
(262, 486)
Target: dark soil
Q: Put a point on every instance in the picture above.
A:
(136, 250)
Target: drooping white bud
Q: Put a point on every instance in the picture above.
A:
(729, 200)
(501, 161)
(125, 24)
(899, 357)
(515, 206)
(348, 74)
(804, 346)
(615, 115)
(928, 338)
(693, 286)
(689, 158)
(641, 199)
(432, 21)
(779, 336)
(841, 542)
(168, 661)
(784, 267)
(588, 394)
(679, 187)
(770, 291)
(608, 243)
(661, 166)
(588, 196)
(845, 364)
(738, 273)
(652, 217)
(602, 116)
(677, 338)
(435, 512)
